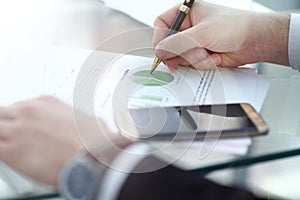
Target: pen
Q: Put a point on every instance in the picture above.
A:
(183, 11)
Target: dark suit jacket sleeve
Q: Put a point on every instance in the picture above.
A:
(172, 183)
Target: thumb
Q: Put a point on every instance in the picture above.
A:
(177, 44)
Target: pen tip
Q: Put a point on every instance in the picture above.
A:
(155, 64)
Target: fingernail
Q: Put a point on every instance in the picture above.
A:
(160, 53)
(216, 60)
(172, 66)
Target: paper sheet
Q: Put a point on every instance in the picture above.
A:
(219, 85)
(185, 86)
(40, 70)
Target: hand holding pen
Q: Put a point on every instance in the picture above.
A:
(183, 11)
(213, 35)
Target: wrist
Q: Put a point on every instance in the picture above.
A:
(271, 37)
(108, 151)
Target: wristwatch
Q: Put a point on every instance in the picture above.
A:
(80, 178)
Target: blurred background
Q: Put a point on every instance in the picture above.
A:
(280, 5)
(76, 23)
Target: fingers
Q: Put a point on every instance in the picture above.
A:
(6, 113)
(193, 56)
(159, 34)
(6, 129)
(163, 22)
(197, 58)
(10, 116)
(210, 62)
(174, 45)
(6, 119)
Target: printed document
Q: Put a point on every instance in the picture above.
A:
(185, 86)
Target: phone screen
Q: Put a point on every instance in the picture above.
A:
(194, 121)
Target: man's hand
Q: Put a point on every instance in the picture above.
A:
(214, 35)
(38, 136)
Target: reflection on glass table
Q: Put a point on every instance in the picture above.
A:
(281, 142)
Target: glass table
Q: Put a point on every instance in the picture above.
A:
(280, 109)
(282, 141)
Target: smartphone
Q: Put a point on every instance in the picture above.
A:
(192, 122)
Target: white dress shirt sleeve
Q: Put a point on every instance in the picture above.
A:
(294, 42)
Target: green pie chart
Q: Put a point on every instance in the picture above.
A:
(157, 78)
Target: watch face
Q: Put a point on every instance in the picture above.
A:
(81, 182)
(80, 178)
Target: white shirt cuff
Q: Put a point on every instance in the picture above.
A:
(294, 41)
